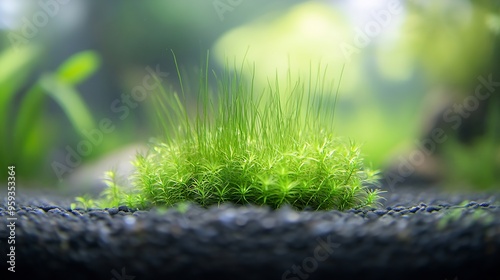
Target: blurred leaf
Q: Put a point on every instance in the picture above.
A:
(28, 139)
(70, 101)
(78, 67)
(16, 66)
(33, 153)
(29, 112)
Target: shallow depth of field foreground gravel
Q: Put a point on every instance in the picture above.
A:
(416, 234)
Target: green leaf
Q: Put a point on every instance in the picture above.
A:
(78, 67)
(29, 111)
(16, 66)
(70, 101)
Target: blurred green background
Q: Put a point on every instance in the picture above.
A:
(420, 86)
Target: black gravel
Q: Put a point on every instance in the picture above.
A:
(413, 235)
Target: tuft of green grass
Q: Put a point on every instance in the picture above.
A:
(243, 145)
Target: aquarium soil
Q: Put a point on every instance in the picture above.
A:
(414, 234)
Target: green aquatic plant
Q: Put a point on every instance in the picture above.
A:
(243, 145)
(25, 139)
(85, 202)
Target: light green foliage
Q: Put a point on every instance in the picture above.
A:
(27, 137)
(85, 202)
(61, 87)
(113, 195)
(116, 195)
(113, 192)
(247, 148)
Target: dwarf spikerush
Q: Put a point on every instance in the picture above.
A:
(245, 145)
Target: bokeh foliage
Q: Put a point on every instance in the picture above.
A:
(25, 126)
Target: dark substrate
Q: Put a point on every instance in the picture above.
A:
(416, 234)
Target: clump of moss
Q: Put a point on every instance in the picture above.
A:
(247, 148)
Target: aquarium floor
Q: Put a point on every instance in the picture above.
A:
(416, 234)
